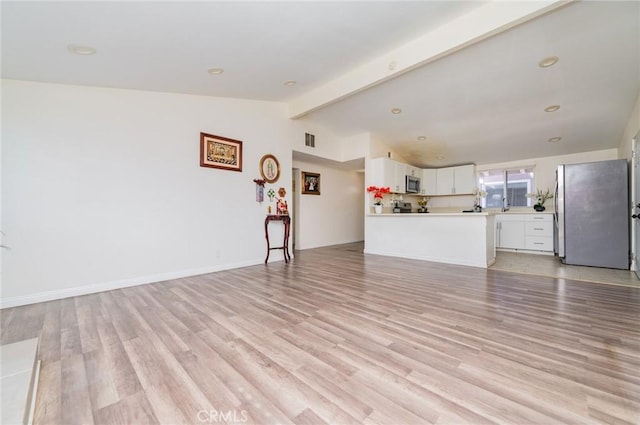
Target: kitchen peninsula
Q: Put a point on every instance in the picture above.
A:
(455, 238)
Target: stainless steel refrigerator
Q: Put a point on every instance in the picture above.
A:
(592, 214)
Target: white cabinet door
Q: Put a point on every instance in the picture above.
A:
(464, 179)
(428, 184)
(414, 171)
(400, 173)
(458, 180)
(510, 231)
(511, 234)
(388, 173)
(382, 172)
(444, 181)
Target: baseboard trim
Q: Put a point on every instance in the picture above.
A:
(118, 284)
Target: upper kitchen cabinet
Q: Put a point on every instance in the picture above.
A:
(389, 173)
(458, 180)
(428, 184)
(414, 171)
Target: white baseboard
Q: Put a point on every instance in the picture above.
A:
(118, 284)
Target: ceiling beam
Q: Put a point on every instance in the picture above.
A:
(481, 23)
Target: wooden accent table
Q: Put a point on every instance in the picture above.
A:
(286, 221)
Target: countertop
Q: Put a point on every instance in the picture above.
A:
(458, 212)
(433, 214)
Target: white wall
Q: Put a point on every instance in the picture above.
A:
(327, 144)
(379, 149)
(632, 128)
(335, 216)
(102, 187)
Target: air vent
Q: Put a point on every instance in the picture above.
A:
(309, 140)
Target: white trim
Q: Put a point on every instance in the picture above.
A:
(117, 284)
(33, 393)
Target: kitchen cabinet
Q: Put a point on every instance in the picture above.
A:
(413, 171)
(401, 174)
(458, 180)
(444, 181)
(510, 231)
(538, 232)
(388, 173)
(531, 232)
(428, 185)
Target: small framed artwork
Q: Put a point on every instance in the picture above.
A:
(220, 152)
(270, 168)
(310, 183)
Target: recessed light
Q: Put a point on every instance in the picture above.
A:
(396, 111)
(215, 71)
(290, 83)
(439, 157)
(422, 137)
(81, 50)
(552, 108)
(555, 139)
(547, 62)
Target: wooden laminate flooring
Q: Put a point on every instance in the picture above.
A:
(339, 337)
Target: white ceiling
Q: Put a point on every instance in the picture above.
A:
(482, 101)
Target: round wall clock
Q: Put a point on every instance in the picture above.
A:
(270, 168)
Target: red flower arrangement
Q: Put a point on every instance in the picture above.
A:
(378, 193)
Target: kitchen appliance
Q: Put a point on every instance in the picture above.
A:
(402, 207)
(592, 214)
(412, 184)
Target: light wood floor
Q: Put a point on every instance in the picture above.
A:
(340, 337)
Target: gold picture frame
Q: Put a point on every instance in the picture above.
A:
(269, 168)
(310, 183)
(220, 152)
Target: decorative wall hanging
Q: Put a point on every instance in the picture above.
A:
(310, 183)
(271, 194)
(220, 152)
(269, 168)
(259, 189)
(281, 204)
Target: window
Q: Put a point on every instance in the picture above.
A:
(513, 184)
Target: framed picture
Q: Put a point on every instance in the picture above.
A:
(270, 168)
(220, 152)
(310, 183)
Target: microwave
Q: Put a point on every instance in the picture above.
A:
(412, 184)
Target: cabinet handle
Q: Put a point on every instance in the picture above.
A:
(538, 228)
(538, 243)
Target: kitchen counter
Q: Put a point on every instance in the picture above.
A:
(459, 212)
(445, 237)
(433, 214)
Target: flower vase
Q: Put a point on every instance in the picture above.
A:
(539, 207)
(377, 209)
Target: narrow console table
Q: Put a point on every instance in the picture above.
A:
(286, 221)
